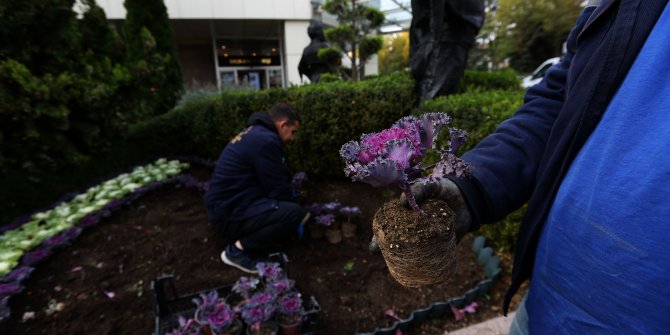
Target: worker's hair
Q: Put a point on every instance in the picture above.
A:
(284, 111)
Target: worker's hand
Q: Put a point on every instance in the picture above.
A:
(447, 191)
(301, 227)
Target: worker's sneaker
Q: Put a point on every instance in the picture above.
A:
(239, 259)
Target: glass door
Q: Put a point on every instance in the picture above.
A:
(254, 79)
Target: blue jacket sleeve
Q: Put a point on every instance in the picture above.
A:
(505, 163)
(272, 172)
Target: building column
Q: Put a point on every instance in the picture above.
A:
(295, 40)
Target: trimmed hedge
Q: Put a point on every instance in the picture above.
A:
(332, 113)
(479, 112)
(506, 79)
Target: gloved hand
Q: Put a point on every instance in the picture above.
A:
(447, 191)
(301, 231)
(301, 227)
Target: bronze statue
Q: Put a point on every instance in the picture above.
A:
(310, 64)
(441, 34)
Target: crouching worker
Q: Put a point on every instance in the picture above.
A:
(250, 201)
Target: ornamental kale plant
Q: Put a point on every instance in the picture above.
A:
(314, 209)
(298, 179)
(296, 182)
(325, 219)
(270, 296)
(330, 207)
(186, 327)
(393, 156)
(258, 309)
(289, 308)
(350, 212)
(213, 312)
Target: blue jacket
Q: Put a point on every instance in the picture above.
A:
(526, 158)
(250, 175)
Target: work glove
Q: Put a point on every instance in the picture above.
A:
(447, 191)
(301, 227)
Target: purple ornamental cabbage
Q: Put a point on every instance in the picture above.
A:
(325, 219)
(245, 285)
(18, 275)
(350, 212)
(393, 156)
(330, 207)
(290, 308)
(280, 286)
(186, 327)
(270, 271)
(314, 209)
(10, 289)
(297, 180)
(213, 311)
(33, 257)
(258, 309)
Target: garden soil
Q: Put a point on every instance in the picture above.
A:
(101, 283)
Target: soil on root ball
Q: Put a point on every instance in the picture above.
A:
(419, 249)
(101, 283)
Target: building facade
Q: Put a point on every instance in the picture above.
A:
(238, 43)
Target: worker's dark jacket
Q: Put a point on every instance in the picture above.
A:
(527, 157)
(250, 175)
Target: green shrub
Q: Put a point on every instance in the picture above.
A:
(332, 113)
(506, 79)
(329, 78)
(478, 112)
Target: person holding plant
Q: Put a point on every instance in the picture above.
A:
(250, 201)
(587, 152)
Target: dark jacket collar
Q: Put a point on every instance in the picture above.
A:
(262, 119)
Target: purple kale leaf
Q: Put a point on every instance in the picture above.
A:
(393, 156)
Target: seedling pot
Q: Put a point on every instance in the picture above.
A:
(418, 250)
(333, 236)
(292, 329)
(348, 229)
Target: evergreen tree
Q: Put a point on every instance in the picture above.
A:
(150, 42)
(353, 36)
(64, 88)
(41, 34)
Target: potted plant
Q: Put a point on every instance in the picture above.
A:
(267, 299)
(332, 233)
(215, 316)
(186, 327)
(418, 245)
(349, 228)
(289, 313)
(257, 313)
(316, 230)
(329, 219)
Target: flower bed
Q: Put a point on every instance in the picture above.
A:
(343, 277)
(29, 240)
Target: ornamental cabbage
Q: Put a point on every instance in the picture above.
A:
(393, 156)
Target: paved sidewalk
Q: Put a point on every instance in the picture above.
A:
(495, 326)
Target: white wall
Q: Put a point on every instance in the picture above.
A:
(295, 39)
(223, 9)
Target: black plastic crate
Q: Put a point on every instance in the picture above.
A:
(169, 304)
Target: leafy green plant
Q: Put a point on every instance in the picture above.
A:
(44, 225)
